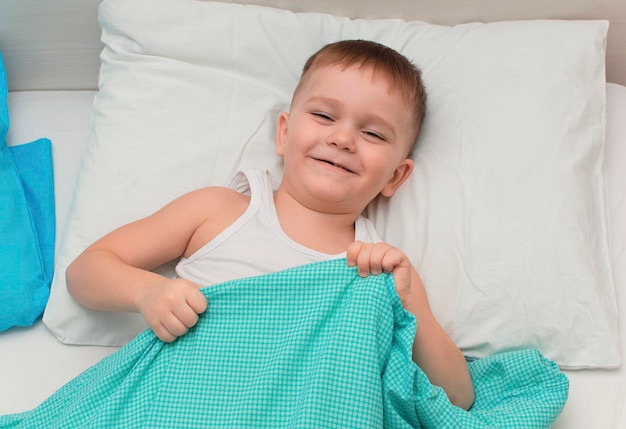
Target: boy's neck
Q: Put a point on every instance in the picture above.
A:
(329, 233)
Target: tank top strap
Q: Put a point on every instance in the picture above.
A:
(251, 182)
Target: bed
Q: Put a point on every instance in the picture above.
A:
(524, 225)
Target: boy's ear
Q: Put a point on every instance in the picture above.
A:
(281, 133)
(400, 174)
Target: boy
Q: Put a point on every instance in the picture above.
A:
(353, 120)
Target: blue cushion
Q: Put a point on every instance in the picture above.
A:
(27, 224)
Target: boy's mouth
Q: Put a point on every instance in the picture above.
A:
(335, 165)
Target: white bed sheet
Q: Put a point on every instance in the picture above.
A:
(33, 363)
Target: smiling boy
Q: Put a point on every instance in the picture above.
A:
(353, 120)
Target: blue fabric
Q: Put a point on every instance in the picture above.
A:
(34, 165)
(27, 224)
(316, 346)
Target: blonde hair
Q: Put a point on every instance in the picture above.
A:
(402, 75)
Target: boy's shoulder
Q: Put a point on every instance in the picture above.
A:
(212, 194)
(208, 202)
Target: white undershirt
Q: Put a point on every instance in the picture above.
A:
(255, 243)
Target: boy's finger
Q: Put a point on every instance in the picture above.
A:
(377, 258)
(391, 259)
(163, 333)
(353, 252)
(197, 301)
(175, 326)
(186, 315)
(364, 259)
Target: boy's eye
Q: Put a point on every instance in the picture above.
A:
(374, 134)
(322, 115)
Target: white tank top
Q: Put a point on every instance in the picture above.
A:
(255, 243)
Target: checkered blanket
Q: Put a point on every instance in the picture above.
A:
(315, 346)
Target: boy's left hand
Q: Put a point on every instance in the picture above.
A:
(433, 350)
(377, 258)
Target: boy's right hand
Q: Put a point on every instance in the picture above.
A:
(172, 307)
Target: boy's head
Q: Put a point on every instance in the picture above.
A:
(352, 123)
(401, 75)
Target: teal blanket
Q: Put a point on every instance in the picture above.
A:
(315, 346)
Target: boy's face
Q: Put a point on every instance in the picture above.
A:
(345, 139)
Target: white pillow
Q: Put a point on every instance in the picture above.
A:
(504, 216)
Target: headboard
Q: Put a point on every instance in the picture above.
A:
(56, 44)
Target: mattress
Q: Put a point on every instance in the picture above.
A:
(33, 363)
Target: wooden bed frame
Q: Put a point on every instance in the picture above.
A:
(73, 39)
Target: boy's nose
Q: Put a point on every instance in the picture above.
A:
(342, 137)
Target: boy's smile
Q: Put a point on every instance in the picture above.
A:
(334, 160)
(335, 166)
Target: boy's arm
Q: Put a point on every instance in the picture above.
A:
(99, 279)
(433, 350)
(113, 274)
